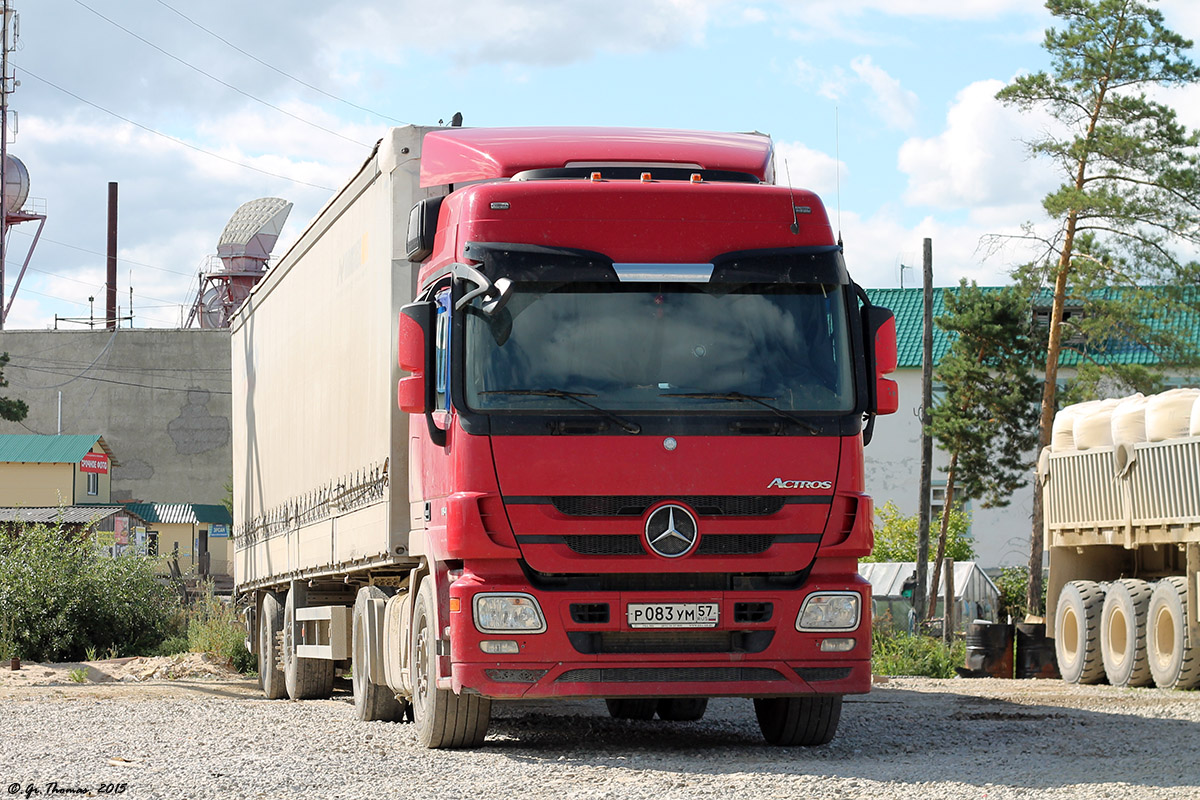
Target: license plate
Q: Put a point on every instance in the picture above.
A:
(673, 615)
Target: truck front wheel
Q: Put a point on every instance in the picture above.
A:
(1123, 633)
(305, 678)
(682, 709)
(632, 707)
(372, 701)
(1174, 657)
(443, 719)
(1077, 632)
(789, 721)
(270, 624)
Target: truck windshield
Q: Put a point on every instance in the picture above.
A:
(668, 347)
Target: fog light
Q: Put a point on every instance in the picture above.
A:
(495, 646)
(837, 645)
(496, 613)
(829, 611)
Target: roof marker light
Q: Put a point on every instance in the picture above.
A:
(645, 177)
(595, 177)
(697, 177)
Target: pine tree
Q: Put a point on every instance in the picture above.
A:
(987, 419)
(1131, 187)
(11, 410)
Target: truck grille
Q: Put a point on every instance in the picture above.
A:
(668, 675)
(812, 674)
(669, 641)
(736, 544)
(636, 505)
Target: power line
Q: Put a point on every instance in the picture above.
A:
(212, 77)
(84, 377)
(104, 255)
(287, 75)
(167, 136)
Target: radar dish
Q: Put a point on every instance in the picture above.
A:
(219, 303)
(16, 184)
(253, 229)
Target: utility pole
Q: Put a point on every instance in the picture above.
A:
(921, 595)
(4, 89)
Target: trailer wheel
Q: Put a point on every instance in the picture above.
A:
(443, 719)
(270, 623)
(305, 678)
(1174, 657)
(682, 709)
(1123, 633)
(790, 721)
(372, 701)
(1077, 632)
(632, 707)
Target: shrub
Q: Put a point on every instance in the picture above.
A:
(213, 628)
(901, 653)
(61, 596)
(896, 537)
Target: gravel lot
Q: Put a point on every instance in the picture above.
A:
(910, 738)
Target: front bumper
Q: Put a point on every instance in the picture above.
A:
(603, 656)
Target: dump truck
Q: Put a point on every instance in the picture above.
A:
(560, 413)
(1121, 514)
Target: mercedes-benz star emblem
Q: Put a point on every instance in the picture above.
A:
(671, 531)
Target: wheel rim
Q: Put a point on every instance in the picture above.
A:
(421, 651)
(1070, 635)
(358, 665)
(1118, 638)
(1164, 638)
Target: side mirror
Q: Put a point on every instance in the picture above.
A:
(881, 326)
(415, 334)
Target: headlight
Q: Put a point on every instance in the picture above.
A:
(829, 611)
(495, 613)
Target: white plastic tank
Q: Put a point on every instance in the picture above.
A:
(1169, 414)
(1093, 426)
(1129, 420)
(16, 184)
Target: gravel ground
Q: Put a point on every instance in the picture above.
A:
(910, 738)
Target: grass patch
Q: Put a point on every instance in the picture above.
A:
(213, 628)
(901, 653)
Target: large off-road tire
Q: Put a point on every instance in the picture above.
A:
(1174, 658)
(1077, 632)
(808, 720)
(372, 701)
(632, 707)
(1123, 633)
(270, 625)
(682, 709)
(305, 678)
(443, 719)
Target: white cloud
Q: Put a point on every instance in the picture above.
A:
(807, 168)
(896, 105)
(979, 160)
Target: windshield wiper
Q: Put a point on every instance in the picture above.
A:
(625, 425)
(748, 398)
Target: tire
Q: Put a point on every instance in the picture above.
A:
(1123, 633)
(806, 721)
(642, 708)
(372, 701)
(443, 719)
(1077, 632)
(1174, 658)
(270, 625)
(682, 709)
(305, 678)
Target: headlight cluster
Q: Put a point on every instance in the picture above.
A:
(498, 613)
(829, 611)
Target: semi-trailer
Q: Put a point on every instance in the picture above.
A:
(560, 412)
(1121, 513)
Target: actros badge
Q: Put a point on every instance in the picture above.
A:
(780, 483)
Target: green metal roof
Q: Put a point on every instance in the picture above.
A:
(181, 513)
(908, 307)
(25, 448)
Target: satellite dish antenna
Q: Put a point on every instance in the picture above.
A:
(244, 248)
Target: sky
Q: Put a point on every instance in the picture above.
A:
(886, 108)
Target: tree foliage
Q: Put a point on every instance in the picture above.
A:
(896, 536)
(60, 596)
(11, 410)
(1128, 202)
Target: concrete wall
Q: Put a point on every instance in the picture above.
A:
(160, 399)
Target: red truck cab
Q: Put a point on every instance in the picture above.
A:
(641, 383)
